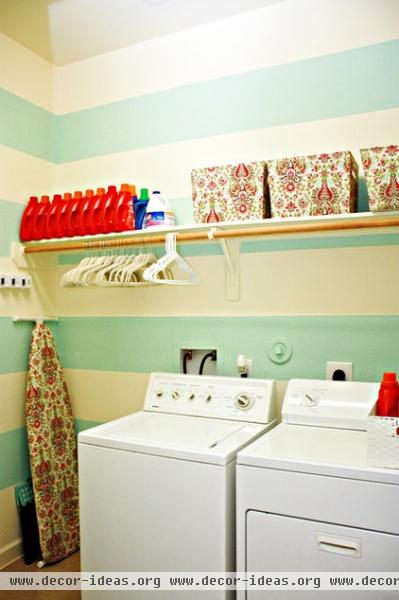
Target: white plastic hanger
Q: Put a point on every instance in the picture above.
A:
(171, 257)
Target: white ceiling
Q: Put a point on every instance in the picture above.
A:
(65, 31)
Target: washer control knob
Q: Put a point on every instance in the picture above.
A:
(243, 401)
(191, 397)
(311, 399)
(208, 398)
(175, 395)
(159, 393)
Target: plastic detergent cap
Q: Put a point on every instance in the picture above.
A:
(389, 379)
(89, 193)
(45, 199)
(77, 194)
(144, 194)
(100, 191)
(111, 188)
(156, 192)
(67, 196)
(125, 187)
(57, 197)
(33, 198)
(132, 190)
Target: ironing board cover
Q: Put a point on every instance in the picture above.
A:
(52, 449)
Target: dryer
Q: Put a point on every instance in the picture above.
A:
(157, 488)
(306, 498)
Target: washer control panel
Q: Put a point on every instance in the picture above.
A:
(250, 400)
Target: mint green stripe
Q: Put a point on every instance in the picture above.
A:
(14, 457)
(14, 453)
(10, 217)
(83, 424)
(152, 343)
(352, 82)
(15, 342)
(26, 127)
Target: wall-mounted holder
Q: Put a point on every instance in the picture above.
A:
(15, 281)
(38, 319)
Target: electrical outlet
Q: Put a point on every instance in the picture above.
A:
(339, 371)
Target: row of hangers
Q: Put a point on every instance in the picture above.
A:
(132, 270)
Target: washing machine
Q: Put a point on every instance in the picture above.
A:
(157, 488)
(307, 501)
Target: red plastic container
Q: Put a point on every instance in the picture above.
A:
(25, 229)
(40, 218)
(123, 216)
(61, 218)
(388, 396)
(93, 216)
(73, 214)
(105, 223)
(83, 213)
(50, 229)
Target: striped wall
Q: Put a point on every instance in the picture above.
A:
(26, 150)
(297, 77)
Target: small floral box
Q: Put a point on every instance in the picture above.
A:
(319, 184)
(381, 170)
(383, 442)
(230, 192)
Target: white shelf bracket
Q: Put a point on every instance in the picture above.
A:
(231, 253)
(18, 256)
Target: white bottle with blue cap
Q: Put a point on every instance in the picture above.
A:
(159, 212)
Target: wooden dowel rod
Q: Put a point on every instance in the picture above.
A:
(198, 236)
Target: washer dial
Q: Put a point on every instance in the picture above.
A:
(243, 401)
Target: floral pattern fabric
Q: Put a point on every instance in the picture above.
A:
(381, 169)
(229, 192)
(319, 184)
(52, 449)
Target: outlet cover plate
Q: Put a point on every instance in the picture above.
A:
(346, 367)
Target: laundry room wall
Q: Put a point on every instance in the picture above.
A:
(297, 77)
(26, 148)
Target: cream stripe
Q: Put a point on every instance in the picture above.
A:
(23, 175)
(12, 401)
(10, 542)
(281, 33)
(25, 74)
(168, 166)
(37, 300)
(340, 281)
(105, 395)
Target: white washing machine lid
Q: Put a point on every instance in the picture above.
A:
(318, 450)
(198, 439)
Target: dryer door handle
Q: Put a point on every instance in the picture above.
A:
(339, 545)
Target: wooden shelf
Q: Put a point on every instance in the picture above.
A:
(353, 223)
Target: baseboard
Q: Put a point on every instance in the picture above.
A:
(10, 552)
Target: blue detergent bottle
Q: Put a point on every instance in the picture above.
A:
(140, 207)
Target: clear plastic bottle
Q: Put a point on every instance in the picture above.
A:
(159, 213)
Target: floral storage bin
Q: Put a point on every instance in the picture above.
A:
(381, 170)
(318, 184)
(230, 192)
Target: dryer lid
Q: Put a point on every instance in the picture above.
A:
(316, 450)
